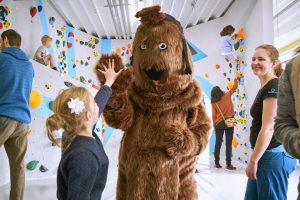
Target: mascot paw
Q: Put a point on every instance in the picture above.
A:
(179, 142)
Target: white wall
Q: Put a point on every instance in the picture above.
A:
(256, 18)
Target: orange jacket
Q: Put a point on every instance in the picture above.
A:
(225, 105)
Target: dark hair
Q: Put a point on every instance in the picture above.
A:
(227, 30)
(216, 94)
(14, 38)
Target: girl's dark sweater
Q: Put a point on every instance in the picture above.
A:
(82, 171)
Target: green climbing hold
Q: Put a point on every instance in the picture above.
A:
(90, 45)
(43, 168)
(96, 41)
(86, 63)
(51, 105)
(82, 79)
(32, 165)
(86, 43)
(81, 62)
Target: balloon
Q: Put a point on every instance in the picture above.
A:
(33, 11)
(230, 85)
(35, 99)
(40, 8)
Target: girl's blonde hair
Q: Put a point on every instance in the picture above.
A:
(71, 123)
(274, 56)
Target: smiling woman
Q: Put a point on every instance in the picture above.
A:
(269, 163)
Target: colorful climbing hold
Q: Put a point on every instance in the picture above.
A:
(229, 85)
(43, 169)
(82, 79)
(69, 44)
(50, 105)
(68, 84)
(35, 99)
(234, 142)
(48, 86)
(32, 165)
(40, 8)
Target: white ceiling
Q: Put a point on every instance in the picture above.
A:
(115, 18)
(286, 15)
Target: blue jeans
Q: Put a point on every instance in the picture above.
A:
(273, 171)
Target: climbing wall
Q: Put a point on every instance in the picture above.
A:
(241, 148)
(5, 15)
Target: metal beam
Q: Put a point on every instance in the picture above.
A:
(181, 11)
(286, 8)
(128, 20)
(172, 7)
(113, 18)
(212, 11)
(118, 18)
(124, 19)
(201, 12)
(62, 14)
(90, 18)
(100, 19)
(81, 24)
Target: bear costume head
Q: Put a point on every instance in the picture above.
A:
(161, 59)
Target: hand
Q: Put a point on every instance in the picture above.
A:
(238, 75)
(251, 170)
(109, 73)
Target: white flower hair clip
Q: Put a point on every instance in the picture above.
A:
(76, 106)
(58, 133)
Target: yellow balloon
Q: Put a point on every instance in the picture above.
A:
(230, 85)
(234, 142)
(35, 99)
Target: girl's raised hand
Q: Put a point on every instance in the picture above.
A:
(109, 72)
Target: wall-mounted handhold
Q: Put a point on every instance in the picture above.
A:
(35, 99)
(32, 165)
(43, 169)
(68, 84)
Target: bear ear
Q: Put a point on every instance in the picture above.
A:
(151, 15)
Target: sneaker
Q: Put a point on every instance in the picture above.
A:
(218, 166)
(230, 167)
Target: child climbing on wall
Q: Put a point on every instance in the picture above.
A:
(82, 171)
(42, 55)
(227, 50)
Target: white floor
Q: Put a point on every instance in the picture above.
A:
(213, 184)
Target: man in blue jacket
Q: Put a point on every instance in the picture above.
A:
(16, 75)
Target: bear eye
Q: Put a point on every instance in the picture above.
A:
(143, 46)
(162, 46)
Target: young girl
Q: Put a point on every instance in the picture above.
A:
(270, 165)
(227, 44)
(222, 108)
(82, 171)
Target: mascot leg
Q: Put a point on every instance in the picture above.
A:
(187, 189)
(121, 185)
(152, 176)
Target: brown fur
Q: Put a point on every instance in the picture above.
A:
(166, 125)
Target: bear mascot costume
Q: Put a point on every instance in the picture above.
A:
(158, 105)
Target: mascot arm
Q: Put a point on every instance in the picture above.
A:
(118, 112)
(200, 124)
